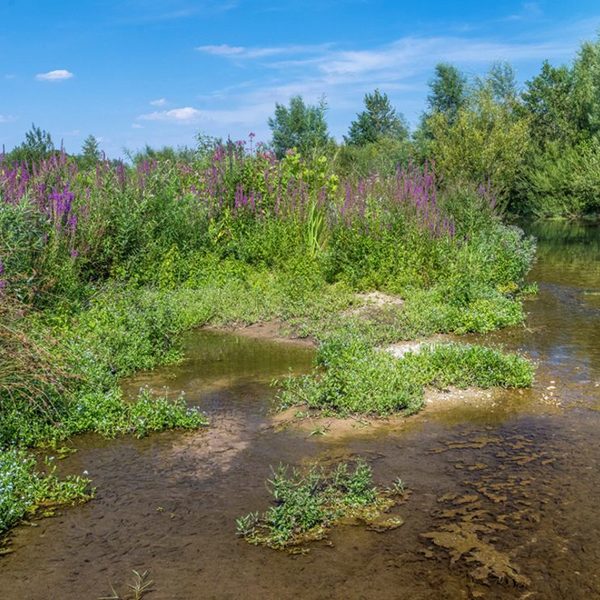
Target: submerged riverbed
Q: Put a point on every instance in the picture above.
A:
(504, 488)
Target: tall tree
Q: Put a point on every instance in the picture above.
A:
(90, 151)
(547, 101)
(501, 80)
(448, 91)
(299, 125)
(38, 145)
(585, 95)
(378, 120)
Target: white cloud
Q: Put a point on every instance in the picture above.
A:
(137, 126)
(187, 114)
(529, 11)
(243, 52)
(7, 118)
(57, 75)
(159, 102)
(222, 50)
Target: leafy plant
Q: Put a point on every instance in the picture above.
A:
(307, 503)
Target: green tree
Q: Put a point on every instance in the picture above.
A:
(501, 81)
(38, 145)
(448, 91)
(585, 92)
(299, 126)
(90, 151)
(486, 142)
(547, 102)
(378, 120)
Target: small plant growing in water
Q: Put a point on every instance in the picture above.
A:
(397, 487)
(141, 584)
(307, 503)
(245, 525)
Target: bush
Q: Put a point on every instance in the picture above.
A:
(563, 181)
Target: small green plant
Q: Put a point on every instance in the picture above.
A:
(307, 503)
(246, 525)
(397, 487)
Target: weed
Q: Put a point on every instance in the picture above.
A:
(308, 503)
(140, 586)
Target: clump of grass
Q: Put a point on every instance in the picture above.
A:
(25, 491)
(464, 365)
(109, 415)
(352, 377)
(307, 503)
(30, 374)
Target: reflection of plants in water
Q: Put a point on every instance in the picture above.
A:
(572, 246)
(141, 584)
(308, 503)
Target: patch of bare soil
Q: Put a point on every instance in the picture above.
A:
(314, 424)
(369, 303)
(402, 348)
(267, 330)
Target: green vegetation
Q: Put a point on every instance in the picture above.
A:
(378, 120)
(299, 126)
(24, 491)
(104, 264)
(355, 378)
(538, 149)
(308, 503)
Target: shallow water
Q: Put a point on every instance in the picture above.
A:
(504, 489)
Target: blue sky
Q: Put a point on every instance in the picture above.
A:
(158, 71)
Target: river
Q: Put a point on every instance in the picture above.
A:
(505, 489)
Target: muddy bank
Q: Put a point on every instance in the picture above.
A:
(274, 331)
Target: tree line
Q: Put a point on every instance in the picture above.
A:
(537, 147)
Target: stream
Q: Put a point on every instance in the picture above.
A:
(505, 487)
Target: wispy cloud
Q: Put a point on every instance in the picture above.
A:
(57, 75)
(7, 118)
(140, 11)
(404, 63)
(159, 102)
(187, 114)
(402, 67)
(249, 53)
(137, 126)
(529, 11)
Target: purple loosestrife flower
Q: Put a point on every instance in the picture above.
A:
(3, 282)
